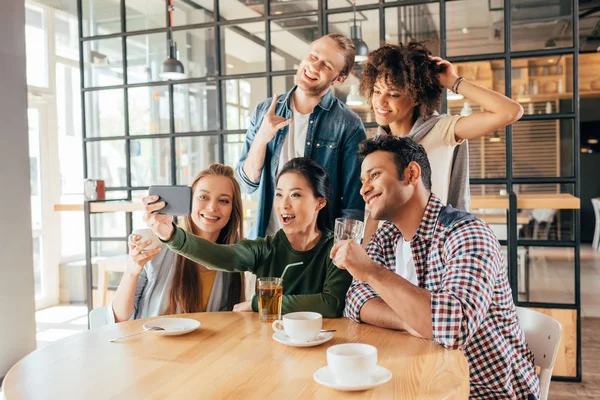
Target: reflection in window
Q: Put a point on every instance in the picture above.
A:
(148, 110)
(100, 17)
(66, 36)
(36, 49)
(195, 154)
(105, 114)
(103, 62)
(35, 172)
(474, 27)
(195, 107)
(542, 25)
(145, 55)
(144, 14)
(244, 48)
(418, 22)
(189, 13)
(196, 50)
(150, 162)
(106, 160)
(241, 97)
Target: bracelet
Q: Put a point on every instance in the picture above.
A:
(456, 84)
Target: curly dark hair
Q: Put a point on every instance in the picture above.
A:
(404, 149)
(407, 68)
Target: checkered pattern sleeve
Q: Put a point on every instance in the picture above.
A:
(472, 259)
(380, 249)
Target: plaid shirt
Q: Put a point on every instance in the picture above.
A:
(459, 260)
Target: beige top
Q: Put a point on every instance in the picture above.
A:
(232, 355)
(439, 144)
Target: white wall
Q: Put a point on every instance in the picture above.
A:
(17, 310)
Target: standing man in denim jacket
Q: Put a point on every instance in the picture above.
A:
(307, 121)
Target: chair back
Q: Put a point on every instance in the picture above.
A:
(97, 317)
(543, 334)
(596, 204)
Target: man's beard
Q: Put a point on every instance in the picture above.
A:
(314, 90)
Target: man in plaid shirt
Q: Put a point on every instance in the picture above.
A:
(460, 296)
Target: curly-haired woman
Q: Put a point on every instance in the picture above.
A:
(404, 85)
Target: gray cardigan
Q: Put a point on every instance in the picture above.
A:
(154, 286)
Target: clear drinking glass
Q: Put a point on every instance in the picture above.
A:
(270, 293)
(348, 229)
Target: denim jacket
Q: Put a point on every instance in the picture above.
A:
(332, 139)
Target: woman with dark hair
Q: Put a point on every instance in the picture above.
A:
(302, 205)
(404, 85)
(161, 282)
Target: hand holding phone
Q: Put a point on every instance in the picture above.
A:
(178, 199)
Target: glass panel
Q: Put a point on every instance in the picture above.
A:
(543, 85)
(543, 148)
(36, 47)
(287, 6)
(290, 41)
(138, 216)
(474, 27)
(367, 20)
(240, 9)
(546, 223)
(106, 160)
(38, 261)
(195, 106)
(145, 56)
(589, 81)
(196, 50)
(108, 249)
(241, 97)
(148, 110)
(35, 179)
(243, 48)
(359, 104)
(101, 17)
(195, 154)
(150, 162)
(331, 4)
(188, 13)
(103, 62)
(496, 218)
(544, 25)
(416, 22)
(282, 84)
(234, 145)
(145, 14)
(487, 155)
(547, 275)
(105, 113)
(487, 74)
(66, 36)
(109, 224)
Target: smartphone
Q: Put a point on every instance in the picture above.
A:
(178, 199)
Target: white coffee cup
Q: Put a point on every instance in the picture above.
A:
(145, 234)
(300, 326)
(352, 363)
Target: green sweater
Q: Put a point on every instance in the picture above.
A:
(317, 285)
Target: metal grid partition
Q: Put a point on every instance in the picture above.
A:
(306, 20)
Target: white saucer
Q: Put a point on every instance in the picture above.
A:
(321, 338)
(173, 326)
(325, 377)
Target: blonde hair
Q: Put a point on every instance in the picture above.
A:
(186, 292)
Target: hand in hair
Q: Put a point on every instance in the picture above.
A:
(271, 124)
(137, 257)
(161, 224)
(447, 75)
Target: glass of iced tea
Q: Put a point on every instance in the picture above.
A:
(270, 292)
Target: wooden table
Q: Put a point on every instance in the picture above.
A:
(233, 356)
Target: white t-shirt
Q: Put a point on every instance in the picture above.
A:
(293, 146)
(405, 264)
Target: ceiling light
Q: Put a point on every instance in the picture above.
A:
(585, 150)
(359, 44)
(495, 138)
(465, 30)
(354, 98)
(551, 60)
(593, 141)
(229, 65)
(172, 68)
